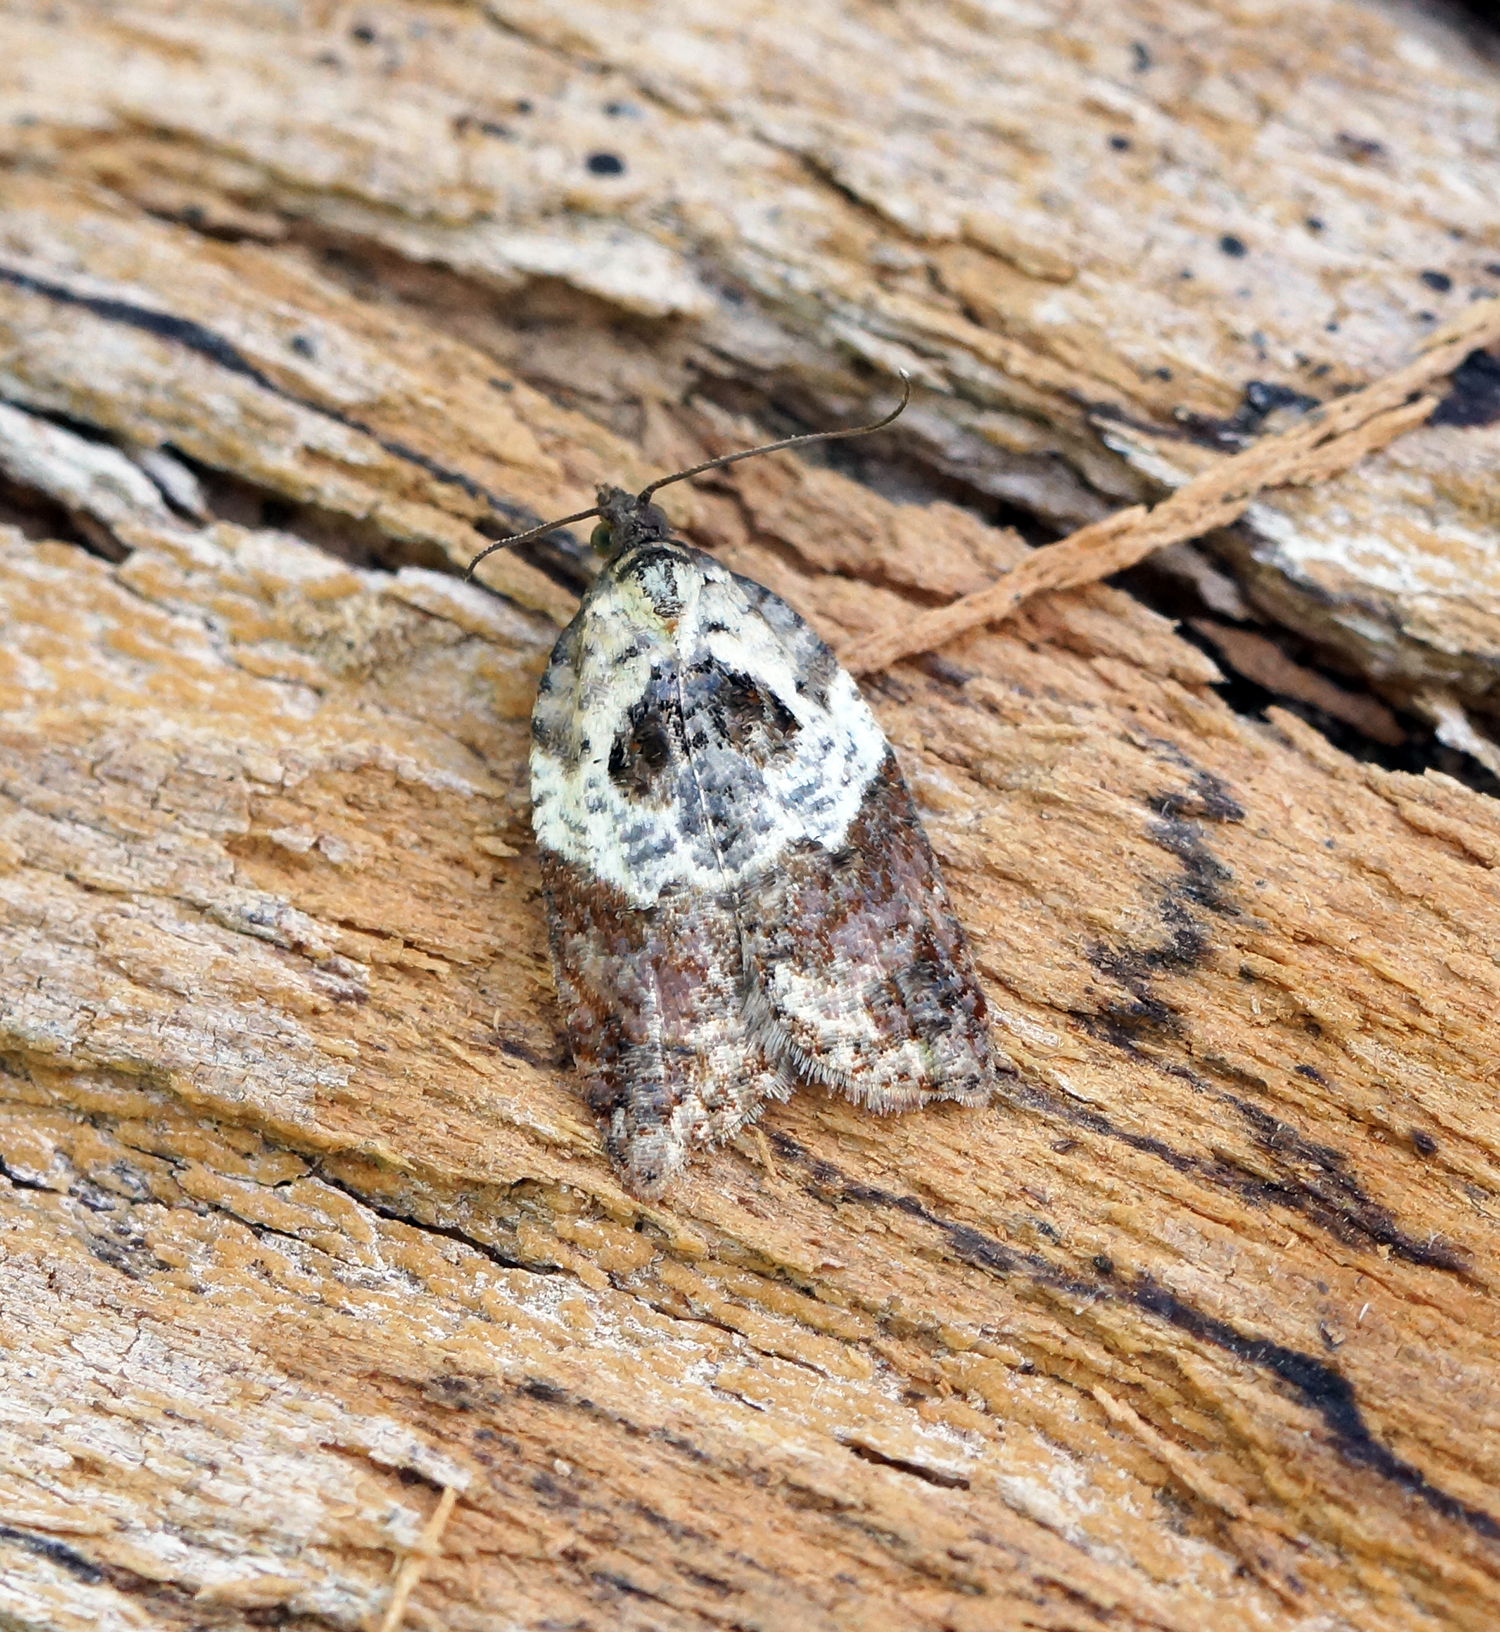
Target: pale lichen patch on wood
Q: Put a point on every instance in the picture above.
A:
(303, 1218)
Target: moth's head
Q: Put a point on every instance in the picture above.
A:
(625, 522)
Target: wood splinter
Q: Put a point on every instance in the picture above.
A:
(409, 1572)
(1330, 440)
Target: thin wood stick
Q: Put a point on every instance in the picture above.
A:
(416, 1560)
(1327, 441)
(768, 1161)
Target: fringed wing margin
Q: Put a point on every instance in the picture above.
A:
(860, 974)
(653, 1003)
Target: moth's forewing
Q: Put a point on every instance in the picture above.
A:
(863, 969)
(651, 998)
(739, 893)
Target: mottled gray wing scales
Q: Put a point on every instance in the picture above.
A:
(829, 954)
(860, 975)
(652, 1004)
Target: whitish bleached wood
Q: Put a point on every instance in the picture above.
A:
(303, 1221)
(1059, 218)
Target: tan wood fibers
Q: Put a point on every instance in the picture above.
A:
(309, 1246)
(1307, 453)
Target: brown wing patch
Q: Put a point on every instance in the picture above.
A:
(753, 721)
(652, 1000)
(861, 976)
(642, 754)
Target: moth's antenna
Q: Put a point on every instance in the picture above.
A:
(526, 538)
(708, 464)
(787, 442)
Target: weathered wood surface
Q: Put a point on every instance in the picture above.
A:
(1064, 220)
(303, 1219)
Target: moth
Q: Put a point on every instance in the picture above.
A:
(740, 896)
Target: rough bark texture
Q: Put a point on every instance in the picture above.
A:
(303, 1218)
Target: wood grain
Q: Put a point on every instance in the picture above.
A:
(304, 1222)
(1062, 219)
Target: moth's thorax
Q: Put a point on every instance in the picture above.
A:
(691, 729)
(659, 588)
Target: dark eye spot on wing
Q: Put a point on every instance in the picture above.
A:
(753, 720)
(640, 757)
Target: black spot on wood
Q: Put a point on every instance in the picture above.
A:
(1258, 400)
(552, 1493)
(620, 1583)
(715, 1584)
(121, 1245)
(1328, 1193)
(1473, 396)
(55, 1552)
(1360, 149)
(945, 672)
(1314, 1179)
(449, 1232)
(456, 1391)
(13, 1178)
(1201, 883)
(931, 1476)
(1325, 1391)
(1203, 877)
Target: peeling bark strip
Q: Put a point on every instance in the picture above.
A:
(1327, 442)
(303, 1223)
(196, 337)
